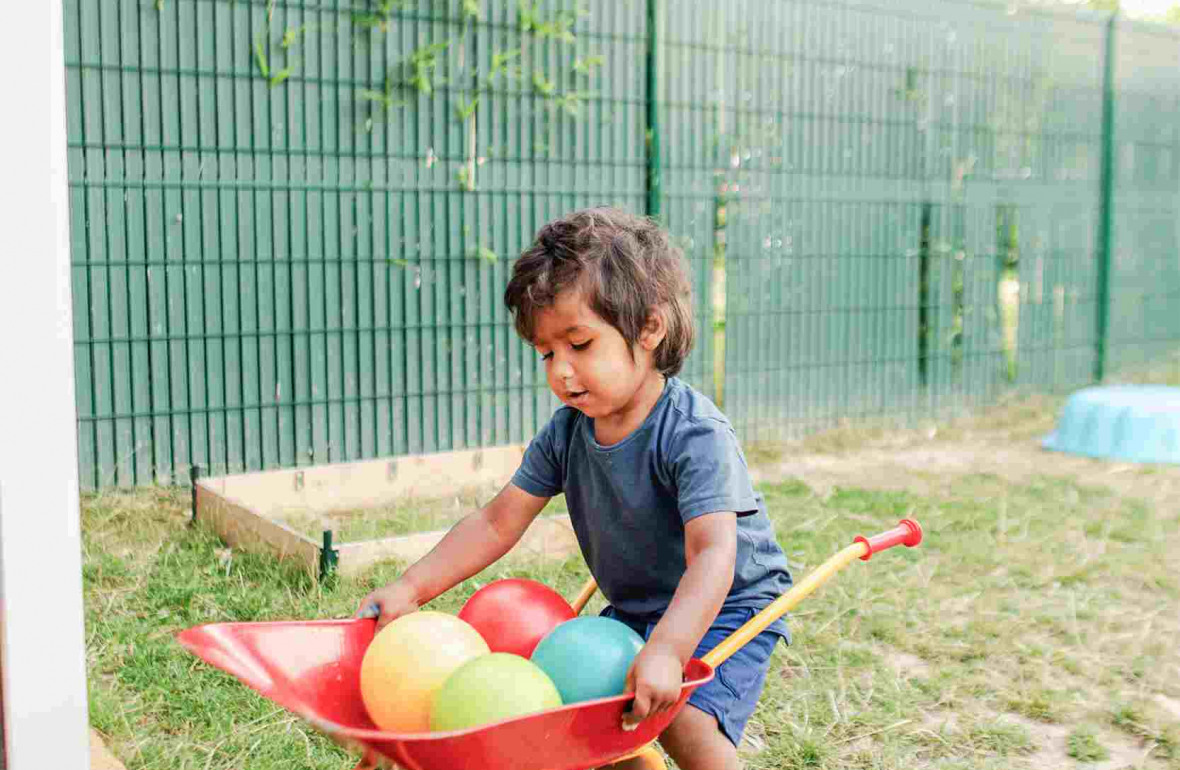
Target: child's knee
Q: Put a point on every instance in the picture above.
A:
(695, 740)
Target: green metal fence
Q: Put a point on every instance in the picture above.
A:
(292, 221)
(903, 183)
(1145, 255)
(274, 275)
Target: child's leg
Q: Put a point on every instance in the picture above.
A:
(695, 742)
(704, 734)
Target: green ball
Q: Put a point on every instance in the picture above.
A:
(491, 688)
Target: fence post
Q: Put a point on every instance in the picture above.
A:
(194, 477)
(1106, 214)
(655, 67)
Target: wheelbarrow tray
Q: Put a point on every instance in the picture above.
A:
(312, 668)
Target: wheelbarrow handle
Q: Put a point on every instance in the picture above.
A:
(908, 533)
(584, 595)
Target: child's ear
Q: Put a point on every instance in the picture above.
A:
(654, 330)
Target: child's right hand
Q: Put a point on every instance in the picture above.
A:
(388, 603)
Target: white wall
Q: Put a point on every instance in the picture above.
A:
(41, 636)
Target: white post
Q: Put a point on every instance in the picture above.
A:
(42, 645)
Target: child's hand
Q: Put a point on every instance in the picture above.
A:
(388, 603)
(655, 677)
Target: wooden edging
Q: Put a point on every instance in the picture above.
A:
(239, 508)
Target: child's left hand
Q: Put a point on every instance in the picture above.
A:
(655, 677)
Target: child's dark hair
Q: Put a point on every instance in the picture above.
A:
(625, 266)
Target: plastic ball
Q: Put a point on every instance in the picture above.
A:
(408, 661)
(588, 657)
(513, 615)
(490, 689)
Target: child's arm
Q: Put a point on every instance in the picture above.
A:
(710, 547)
(478, 540)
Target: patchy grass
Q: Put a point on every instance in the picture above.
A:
(1083, 745)
(1044, 603)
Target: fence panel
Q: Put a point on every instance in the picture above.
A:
(1145, 255)
(906, 184)
(292, 228)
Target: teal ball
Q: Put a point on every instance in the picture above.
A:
(588, 657)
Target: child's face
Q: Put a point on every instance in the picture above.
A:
(588, 362)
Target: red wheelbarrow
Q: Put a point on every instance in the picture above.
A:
(312, 668)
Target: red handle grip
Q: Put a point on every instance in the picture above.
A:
(907, 533)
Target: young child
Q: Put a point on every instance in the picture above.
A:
(656, 484)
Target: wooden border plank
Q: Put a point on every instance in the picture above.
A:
(370, 483)
(241, 527)
(243, 509)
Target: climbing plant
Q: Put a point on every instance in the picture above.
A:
(428, 71)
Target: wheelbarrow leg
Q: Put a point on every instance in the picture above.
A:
(650, 758)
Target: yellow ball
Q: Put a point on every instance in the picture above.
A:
(408, 661)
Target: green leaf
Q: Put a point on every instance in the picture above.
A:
(280, 76)
(465, 109)
(585, 65)
(289, 37)
(528, 16)
(370, 21)
(427, 53)
(400, 262)
(500, 61)
(559, 28)
(463, 177)
(422, 83)
(487, 255)
(571, 102)
(543, 84)
(260, 58)
(471, 9)
(422, 64)
(379, 17)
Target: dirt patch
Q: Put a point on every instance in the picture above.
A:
(1051, 753)
(753, 739)
(1171, 705)
(905, 665)
(101, 757)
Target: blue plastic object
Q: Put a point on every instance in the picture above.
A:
(1138, 423)
(588, 657)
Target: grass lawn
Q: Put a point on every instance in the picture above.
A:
(1036, 627)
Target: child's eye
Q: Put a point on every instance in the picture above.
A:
(547, 356)
(581, 346)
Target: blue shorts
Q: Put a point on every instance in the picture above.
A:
(733, 693)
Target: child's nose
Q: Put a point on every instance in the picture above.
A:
(562, 368)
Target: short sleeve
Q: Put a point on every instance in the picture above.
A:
(541, 471)
(709, 471)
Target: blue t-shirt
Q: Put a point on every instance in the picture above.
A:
(629, 501)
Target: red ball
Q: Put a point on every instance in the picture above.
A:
(513, 615)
